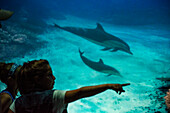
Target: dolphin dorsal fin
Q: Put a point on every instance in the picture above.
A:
(99, 27)
(101, 61)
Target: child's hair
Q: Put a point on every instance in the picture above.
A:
(29, 70)
(4, 71)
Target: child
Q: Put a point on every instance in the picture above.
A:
(35, 83)
(8, 75)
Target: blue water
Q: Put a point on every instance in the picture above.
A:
(144, 25)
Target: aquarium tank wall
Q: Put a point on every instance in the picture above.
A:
(92, 42)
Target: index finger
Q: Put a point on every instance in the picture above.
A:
(125, 84)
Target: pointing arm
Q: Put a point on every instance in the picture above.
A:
(88, 91)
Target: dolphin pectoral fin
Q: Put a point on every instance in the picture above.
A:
(109, 75)
(55, 25)
(105, 49)
(101, 61)
(114, 50)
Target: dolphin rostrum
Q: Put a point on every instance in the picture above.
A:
(99, 66)
(100, 37)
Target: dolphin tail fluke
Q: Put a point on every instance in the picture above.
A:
(81, 53)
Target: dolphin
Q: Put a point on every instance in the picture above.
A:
(100, 37)
(99, 66)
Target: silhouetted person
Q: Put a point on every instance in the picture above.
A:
(8, 75)
(35, 82)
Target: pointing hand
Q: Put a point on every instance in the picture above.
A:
(118, 87)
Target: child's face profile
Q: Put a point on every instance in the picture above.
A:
(47, 80)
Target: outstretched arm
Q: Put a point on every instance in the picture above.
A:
(88, 91)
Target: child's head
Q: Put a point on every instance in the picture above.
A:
(34, 76)
(4, 70)
(8, 75)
